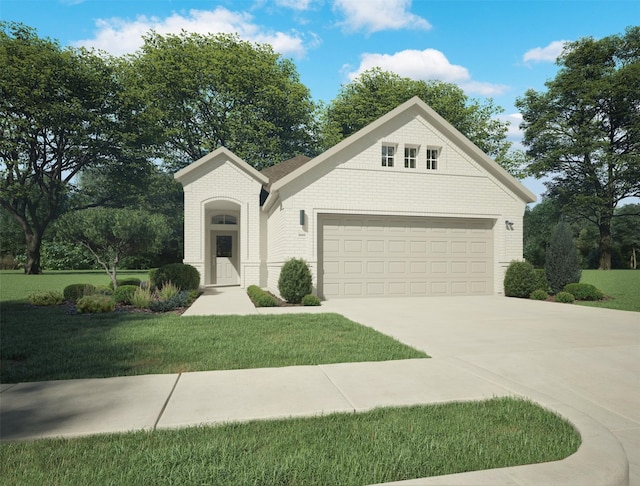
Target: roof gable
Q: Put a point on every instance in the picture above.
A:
(195, 170)
(420, 108)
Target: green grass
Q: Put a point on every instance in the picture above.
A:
(623, 286)
(48, 343)
(383, 445)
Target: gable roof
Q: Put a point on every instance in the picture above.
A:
(190, 171)
(284, 168)
(434, 119)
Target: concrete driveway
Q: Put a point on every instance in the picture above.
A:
(587, 358)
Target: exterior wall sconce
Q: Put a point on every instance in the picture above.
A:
(302, 217)
(509, 225)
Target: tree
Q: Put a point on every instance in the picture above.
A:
(538, 224)
(376, 92)
(217, 90)
(583, 133)
(626, 230)
(112, 234)
(562, 265)
(61, 111)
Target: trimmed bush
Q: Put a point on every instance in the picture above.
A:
(562, 265)
(583, 291)
(565, 297)
(539, 294)
(310, 300)
(541, 279)
(127, 281)
(103, 290)
(124, 293)
(183, 276)
(520, 280)
(295, 280)
(95, 303)
(51, 297)
(75, 291)
(260, 298)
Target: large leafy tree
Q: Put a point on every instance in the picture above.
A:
(217, 90)
(61, 111)
(376, 92)
(583, 133)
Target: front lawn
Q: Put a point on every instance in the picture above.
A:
(623, 286)
(383, 445)
(48, 343)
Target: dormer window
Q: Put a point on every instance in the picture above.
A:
(224, 219)
(432, 158)
(388, 155)
(410, 157)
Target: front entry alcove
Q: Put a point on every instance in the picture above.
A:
(222, 248)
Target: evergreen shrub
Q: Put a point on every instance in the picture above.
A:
(95, 303)
(310, 300)
(565, 297)
(295, 280)
(182, 275)
(75, 291)
(50, 297)
(583, 291)
(124, 293)
(260, 298)
(562, 265)
(519, 280)
(539, 294)
(541, 279)
(127, 281)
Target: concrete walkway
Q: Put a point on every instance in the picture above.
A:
(582, 363)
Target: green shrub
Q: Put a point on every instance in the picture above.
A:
(50, 297)
(74, 291)
(124, 293)
(127, 281)
(565, 297)
(103, 290)
(562, 265)
(261, 298)
(541, 279)
(584, 291)
(310, 300)
(178, 300)
(95, 303)
(141, 298)
(295, 280)
(183, 276)
(519, 280)
(539, 294)
(167, 291)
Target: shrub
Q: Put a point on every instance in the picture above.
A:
(167, 291)
(565, 297)
(520, 280)
(127, 281)
(261, 298)
(51, 297)
(103, 290)
(295, 280)
(539, 294)
(541, 279)
(141, 298)
(310, 300)
(180, 299)
(583, 291)
(183, 276)
(95, 303)
(124, 293)
(562, 265)
(74, 291)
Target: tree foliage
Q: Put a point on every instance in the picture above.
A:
(61, 111)
(217, 90)
(112, 234)
(562, 265)
(376, 92)
(583, 133)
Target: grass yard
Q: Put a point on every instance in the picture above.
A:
(622, 285)
(383, 445)
(47, 343)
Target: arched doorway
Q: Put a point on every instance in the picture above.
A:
(223, 245)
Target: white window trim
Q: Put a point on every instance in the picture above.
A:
(411, 162)
(433, 163)
(388, 158)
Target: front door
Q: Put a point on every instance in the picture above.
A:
(225, 258)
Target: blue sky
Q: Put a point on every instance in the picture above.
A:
(495, 49)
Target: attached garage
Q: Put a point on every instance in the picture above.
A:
(377, 256)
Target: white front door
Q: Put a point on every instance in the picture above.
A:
(225, 258)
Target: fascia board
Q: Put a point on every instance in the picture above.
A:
(227, 154)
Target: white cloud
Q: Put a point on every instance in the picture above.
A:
(545, 54)
(119, 36)
(376, 15)
(514, 133)
(429, 64)
(295, 4)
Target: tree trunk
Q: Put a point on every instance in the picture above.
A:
(34, 242)
(605, 244)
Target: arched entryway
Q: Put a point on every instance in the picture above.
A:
(222, 224)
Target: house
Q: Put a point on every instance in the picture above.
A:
(406, 206)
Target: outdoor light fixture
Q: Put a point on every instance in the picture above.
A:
(509, 225)
(302, 217)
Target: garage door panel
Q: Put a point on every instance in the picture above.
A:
(384, 256)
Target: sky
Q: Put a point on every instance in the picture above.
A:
(494, 49)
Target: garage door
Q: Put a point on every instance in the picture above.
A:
(371, 256)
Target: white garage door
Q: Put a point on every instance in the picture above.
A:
(369, 256)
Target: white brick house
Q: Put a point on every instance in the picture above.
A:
(405, 206)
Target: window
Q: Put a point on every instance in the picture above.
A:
(410, 156)
(223, 219)
(388, 153)
(432, 158)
